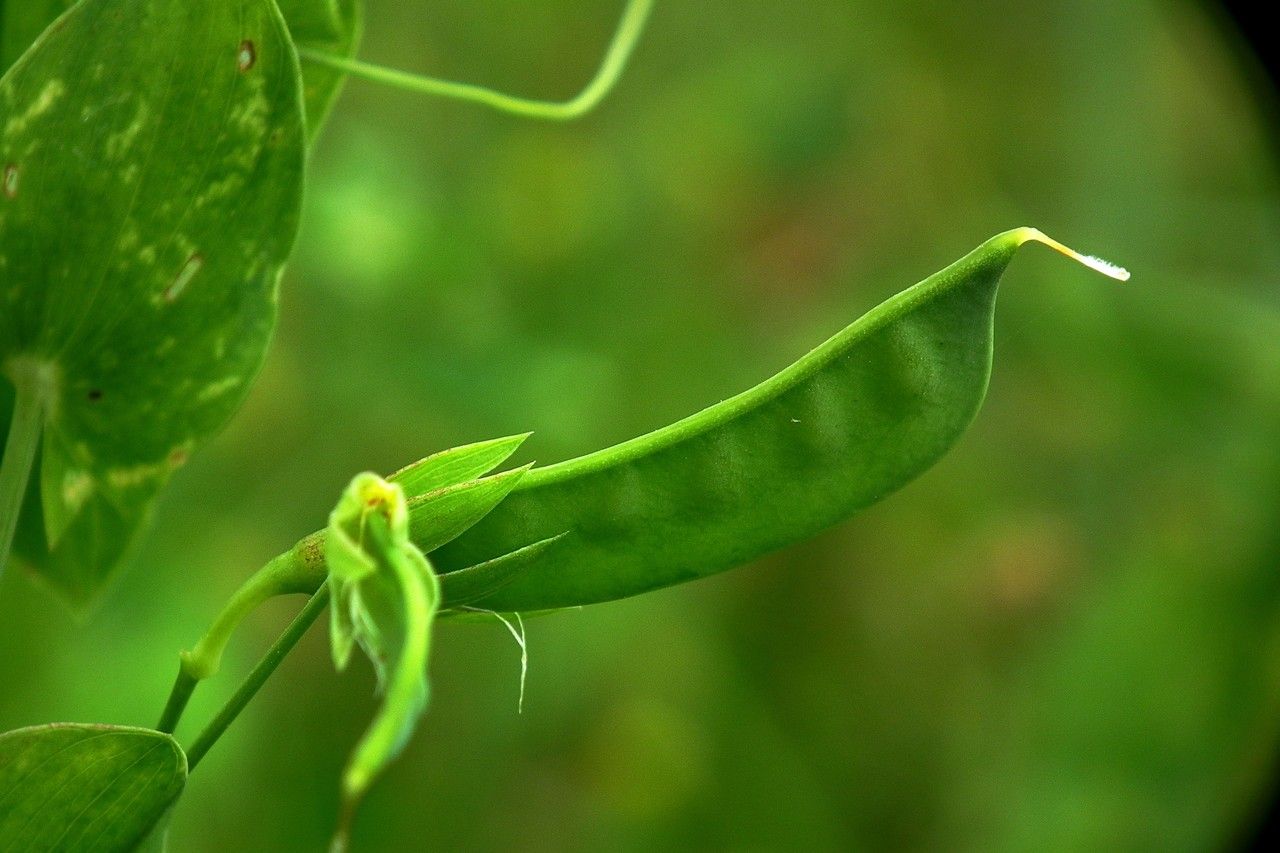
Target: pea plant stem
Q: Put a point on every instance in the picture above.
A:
(278, 577)
(257, 677)
(615, 59)
(20, 450)
(183, 686)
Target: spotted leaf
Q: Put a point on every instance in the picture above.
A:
(152, 155)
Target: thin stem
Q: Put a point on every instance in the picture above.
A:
(183, 686)
(294, 571)
(278, 577)
(261, 672)
(615, 60)
(31, 388)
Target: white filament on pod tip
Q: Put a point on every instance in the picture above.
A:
(1092, 262)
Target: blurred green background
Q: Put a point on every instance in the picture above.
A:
(1066, 636)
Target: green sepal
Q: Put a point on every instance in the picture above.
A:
(456, 465)
(439, 517)
(454, 501)
(469, 585)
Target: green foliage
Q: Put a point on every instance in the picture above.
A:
(153, 154)
(385, 597)
(328, 26)
(88, 788)
(944, 589)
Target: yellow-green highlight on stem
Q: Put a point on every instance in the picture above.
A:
(611, 67)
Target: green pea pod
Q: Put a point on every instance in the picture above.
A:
(385, 597)
(848, 424)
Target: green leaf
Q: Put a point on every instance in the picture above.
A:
(385, 597)
(21, 21)
(87, 788)
(157, 841)
(456, 465)
(331, 26)
(846, 425)
(153, 159)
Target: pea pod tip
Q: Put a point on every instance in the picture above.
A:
(1093, 262)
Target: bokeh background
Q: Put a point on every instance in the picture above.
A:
(1066, 636)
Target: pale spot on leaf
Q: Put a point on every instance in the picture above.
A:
(118, 144)
(188, 272)
(76, 488)
(136, 475)
(49, 95)
(217, 389)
